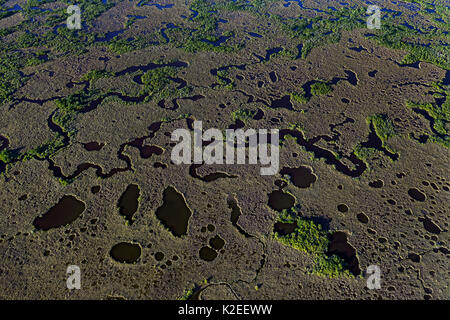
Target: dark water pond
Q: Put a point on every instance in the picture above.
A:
(67, 210)
(301, 177)
(93, 146)
(339, 246)
(126, 252)
(129, 202)
(174, 214)
(416, 194)
(207, 254)
(279, 200)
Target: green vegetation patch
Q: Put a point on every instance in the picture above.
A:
(299, 96)
(93, 75)
(9, 156)
(320, 88)
(364, 153)
(322, 30)
(43, 33)
(69, 107)
(243, 114)
(45, 150)
(140, 42)
(421, 44)
(384, 129)
(383, 126)
(309, 237)
(224, 80)
(203, 35)
(10, 76)
(439, 118)
(158, 83)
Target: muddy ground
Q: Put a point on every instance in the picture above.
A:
(394, 213)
